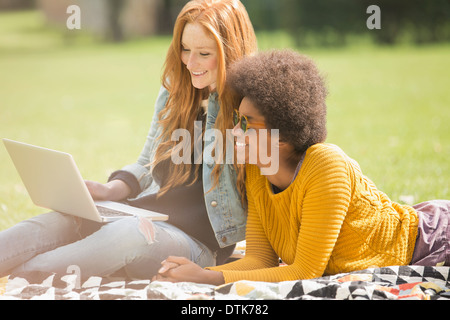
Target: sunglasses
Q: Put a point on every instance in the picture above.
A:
(245, 125)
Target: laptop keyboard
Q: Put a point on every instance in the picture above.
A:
(108, 212)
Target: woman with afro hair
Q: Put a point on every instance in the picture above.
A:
(318, 213)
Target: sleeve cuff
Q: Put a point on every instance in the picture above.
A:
(129, 179)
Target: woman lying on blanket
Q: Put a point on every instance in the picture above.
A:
(318, 213)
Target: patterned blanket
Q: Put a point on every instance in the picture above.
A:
(390, 283)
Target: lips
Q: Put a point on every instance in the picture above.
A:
(198, 74)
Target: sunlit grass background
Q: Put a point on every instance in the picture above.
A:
(389, 107)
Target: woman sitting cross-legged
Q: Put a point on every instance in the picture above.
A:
(318, 212)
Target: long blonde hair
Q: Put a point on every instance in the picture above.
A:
(229, 25)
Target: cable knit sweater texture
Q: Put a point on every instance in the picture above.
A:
(331, 219)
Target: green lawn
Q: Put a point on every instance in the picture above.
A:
(389, 108)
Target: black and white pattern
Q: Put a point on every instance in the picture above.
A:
(390, 283)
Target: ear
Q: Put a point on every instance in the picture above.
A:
(282, 143)
(285, 146)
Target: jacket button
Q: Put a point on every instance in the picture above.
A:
(214, 204)
(224, 239)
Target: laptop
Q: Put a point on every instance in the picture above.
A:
(54, 182)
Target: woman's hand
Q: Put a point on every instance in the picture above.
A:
(115, 190)
(178, 269)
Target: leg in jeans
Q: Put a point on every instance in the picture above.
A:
(135, 244)
(40, 234)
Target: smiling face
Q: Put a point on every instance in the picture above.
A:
(199, 53)
(252, 143)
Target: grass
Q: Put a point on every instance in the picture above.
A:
(389, 108)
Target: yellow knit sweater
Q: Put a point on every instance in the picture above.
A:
(331, 219)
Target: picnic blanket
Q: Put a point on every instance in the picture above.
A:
(389, 283)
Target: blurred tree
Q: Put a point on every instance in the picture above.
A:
(114, 30)
(265, 14)
(422, 21)
(168, 11)
(309, 22)
(16, 4)
(325, 22)
(430, 20)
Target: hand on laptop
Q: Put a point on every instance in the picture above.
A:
(115, 190)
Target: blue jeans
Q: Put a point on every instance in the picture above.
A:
(55, 242)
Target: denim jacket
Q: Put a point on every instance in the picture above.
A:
(226, 214)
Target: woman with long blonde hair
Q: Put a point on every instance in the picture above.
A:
(203, 197)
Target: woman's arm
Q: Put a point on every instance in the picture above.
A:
(258, 255)
(115, 190)
(323, 210)
(179, 269)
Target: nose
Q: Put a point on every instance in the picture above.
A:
(191, 62)
(237, 131)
